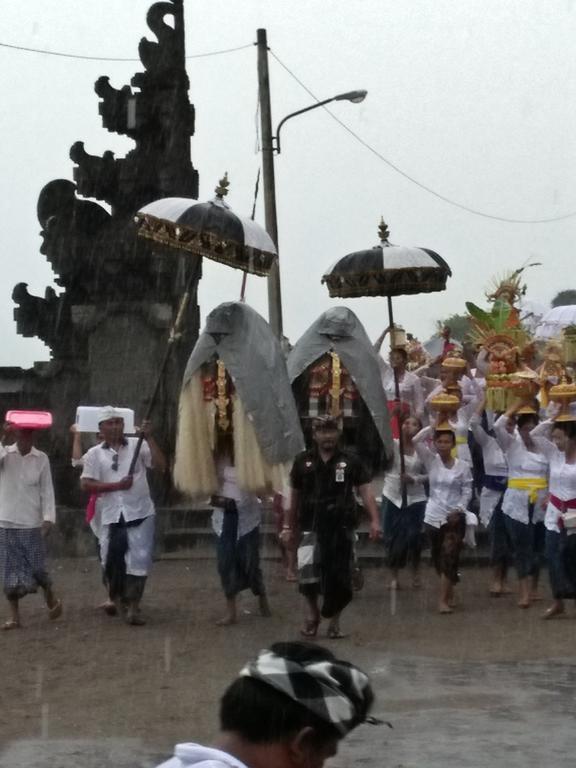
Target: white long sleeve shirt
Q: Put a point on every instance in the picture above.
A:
(562, 476)
(26, 490)
(415, 491)
(522, 463)
(410, 387)
(494, 464)
(450, 487)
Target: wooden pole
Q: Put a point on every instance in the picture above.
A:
(189, 292)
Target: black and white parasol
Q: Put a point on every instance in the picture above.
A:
(210, 229)
(387, 270)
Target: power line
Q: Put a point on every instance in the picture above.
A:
(410, 178)
(115, 58)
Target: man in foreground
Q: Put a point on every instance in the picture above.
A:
(127, 510)
(323, 507)
(27, 512)
(288, 709)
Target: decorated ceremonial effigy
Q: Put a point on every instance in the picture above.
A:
(334, 372)
(236, 390)
(506, 344)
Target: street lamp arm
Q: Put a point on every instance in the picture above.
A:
(276, 138)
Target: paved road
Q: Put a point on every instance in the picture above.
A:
(490, 686)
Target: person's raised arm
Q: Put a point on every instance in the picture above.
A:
(501, 425)
(380, 340)
(158, 458)
(541, 434)
(419, 441)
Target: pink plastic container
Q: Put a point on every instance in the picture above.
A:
(29, 419)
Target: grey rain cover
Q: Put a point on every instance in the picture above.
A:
(339, 329)
(244, 341)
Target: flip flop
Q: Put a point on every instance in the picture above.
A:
(56, 611)
(11, 624)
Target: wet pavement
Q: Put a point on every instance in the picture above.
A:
(489, 686)
(443, 714)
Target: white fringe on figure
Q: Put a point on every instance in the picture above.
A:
(194, 468)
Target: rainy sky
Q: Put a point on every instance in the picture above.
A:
(473, 99)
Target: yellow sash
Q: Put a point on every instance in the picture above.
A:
(530, 484)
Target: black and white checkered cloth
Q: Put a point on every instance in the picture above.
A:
(335, 691)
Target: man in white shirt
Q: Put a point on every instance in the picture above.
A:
(127, 510)
(289, 707)
(27, 512)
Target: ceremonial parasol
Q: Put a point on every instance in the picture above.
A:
(555, 320)
(209, 229)
(388, 270)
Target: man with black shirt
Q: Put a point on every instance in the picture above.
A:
(324, 481)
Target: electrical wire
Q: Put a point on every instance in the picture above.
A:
(425, 187)
(116, 58)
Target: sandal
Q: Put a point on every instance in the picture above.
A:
(310, 628)
(56, 611)
(11, 624)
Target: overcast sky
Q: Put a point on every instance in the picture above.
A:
(475, 99)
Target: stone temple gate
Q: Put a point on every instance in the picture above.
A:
(107, 328)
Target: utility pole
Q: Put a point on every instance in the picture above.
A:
(269, 184)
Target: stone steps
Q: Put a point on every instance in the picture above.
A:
(185, 532)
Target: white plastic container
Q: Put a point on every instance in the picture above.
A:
(87, 418)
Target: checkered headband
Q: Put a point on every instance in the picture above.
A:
(335, 691)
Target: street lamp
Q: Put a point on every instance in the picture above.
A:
(270, 145)
(354, 96)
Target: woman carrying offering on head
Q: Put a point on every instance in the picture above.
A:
(403, 504)
(450, 481)
(557, 441)
(524, 500)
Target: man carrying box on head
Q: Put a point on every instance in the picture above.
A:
(27, 512)
(127, 538)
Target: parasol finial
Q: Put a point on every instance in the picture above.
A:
(222, 188)
(383, 231)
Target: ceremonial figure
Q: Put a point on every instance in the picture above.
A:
(238, 433)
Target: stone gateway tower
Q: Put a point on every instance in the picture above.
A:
(107, 329)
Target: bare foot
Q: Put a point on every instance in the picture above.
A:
(291, 576)
(444, 608)
(227, 621)
(553, 611)
(525, 603)
(11, 624)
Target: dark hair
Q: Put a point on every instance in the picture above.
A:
(262, 715)
(440, 432)
(401, 351)
(525, 418)
(568, 427)
(413, 416)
